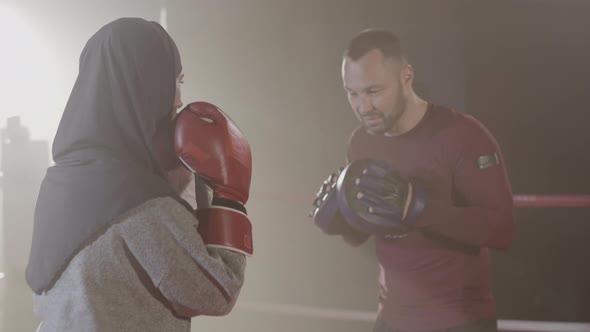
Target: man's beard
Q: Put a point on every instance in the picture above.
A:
(387, 121)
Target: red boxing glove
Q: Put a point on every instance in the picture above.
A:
(210, 144)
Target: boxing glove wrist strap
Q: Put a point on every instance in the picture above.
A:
(229, 203)
(227, 228)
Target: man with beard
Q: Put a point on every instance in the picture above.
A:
(429, 184)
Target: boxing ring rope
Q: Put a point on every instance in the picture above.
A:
(521, 201)
(370, 316)
(551, 200)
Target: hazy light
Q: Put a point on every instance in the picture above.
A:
(30, 85)
(163, 18)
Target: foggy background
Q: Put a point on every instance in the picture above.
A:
(521, 67)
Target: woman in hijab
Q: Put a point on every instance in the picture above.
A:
(115, 247)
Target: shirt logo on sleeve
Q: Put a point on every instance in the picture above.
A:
(488, 161)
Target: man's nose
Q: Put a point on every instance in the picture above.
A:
(364, 105)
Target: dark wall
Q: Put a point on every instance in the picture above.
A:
(527, 78)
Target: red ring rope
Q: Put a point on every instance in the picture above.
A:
(552, 200)
(519, 200)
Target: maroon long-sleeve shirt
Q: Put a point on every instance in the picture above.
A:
(439, 275)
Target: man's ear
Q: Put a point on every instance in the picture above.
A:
(408, 73)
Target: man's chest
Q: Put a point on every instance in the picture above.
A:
(423, 162)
